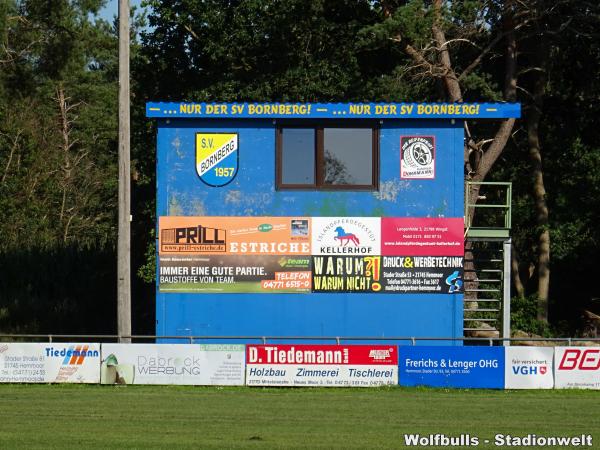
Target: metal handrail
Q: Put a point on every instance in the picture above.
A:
(338, 339)
(506, 205)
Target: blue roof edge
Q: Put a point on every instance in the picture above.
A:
(267, 110)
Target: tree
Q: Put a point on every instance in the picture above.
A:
(336, 171)
(438, 42)
(56, 158)
(557, 63)
(255, 50)
(58, 161)
(448, 45)
(58, 97)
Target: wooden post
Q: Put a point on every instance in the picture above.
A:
(124, 240)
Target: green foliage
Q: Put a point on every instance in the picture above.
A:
(569, 137)
(147, 271)
(66, 288)
(258, 50)
(411, 20)
(59, 202)
(58, 184)
(523, 317)
(58, 171)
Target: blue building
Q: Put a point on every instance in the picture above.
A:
(313, 220)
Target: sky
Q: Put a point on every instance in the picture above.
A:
(112, 9)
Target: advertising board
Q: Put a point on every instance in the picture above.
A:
(321, 365)
(346, 273)
(234, 254)
(311, 254)
(577, 367)
(422, 236)
(185, 364)
(417, 157)
(459, 367)
(49, 363)
(529, 368)
(422, 255)
(343, 236)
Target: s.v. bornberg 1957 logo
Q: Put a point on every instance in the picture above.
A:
(217, 158)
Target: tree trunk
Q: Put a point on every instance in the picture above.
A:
(539, 49)
(13, 147)
(516, 274)
(65, 147)
(442, 69)
(539, 194)
(453, 90)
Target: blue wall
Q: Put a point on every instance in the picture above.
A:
(252, 193)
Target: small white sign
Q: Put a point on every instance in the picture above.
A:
(346, 236)
(49, 363)
(529, 368)
(577, 367)
(417, 157)
(185, 364)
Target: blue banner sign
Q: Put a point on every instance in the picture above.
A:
(333, 110)
(458, 367)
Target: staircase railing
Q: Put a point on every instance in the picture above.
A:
(488, 211)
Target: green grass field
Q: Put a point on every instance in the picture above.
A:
(72, 416)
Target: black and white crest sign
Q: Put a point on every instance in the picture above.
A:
(417, 157)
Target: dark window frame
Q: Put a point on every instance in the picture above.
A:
(319, 176)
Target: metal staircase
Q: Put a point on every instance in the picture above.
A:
(487, 259)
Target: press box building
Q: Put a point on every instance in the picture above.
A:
(311, 220)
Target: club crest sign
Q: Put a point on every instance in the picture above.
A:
(217, 158)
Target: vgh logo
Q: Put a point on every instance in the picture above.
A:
(529, 370)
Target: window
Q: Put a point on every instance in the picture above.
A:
(327, 157)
